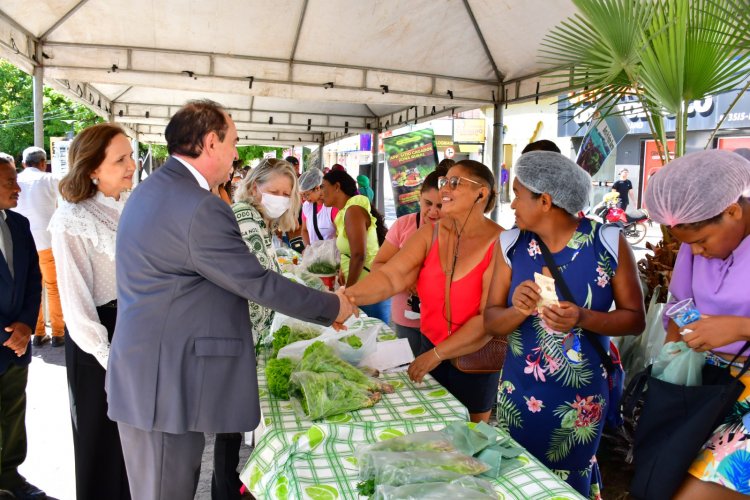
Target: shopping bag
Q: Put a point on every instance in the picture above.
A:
(675, 422)
(321, 258)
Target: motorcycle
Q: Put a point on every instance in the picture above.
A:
(633, 224)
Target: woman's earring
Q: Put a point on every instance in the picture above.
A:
(95, 181)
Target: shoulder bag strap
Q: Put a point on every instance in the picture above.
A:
(315, 221)
(567, 295)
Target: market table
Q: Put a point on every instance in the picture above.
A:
(297, 458)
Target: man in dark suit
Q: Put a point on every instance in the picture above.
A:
(20, 296)
(182, 361)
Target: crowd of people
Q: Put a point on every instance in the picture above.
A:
(166, 288)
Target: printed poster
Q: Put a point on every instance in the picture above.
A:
(600, 141)
(410, 158)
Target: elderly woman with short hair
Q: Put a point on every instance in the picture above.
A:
(554, 390)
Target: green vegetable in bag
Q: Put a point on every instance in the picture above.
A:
(326, 394)
(353, 341)
(278, 372)
(322, 267)
(320, 358)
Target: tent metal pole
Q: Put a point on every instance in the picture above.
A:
(376, 173)
(38, 78)
(497, 154)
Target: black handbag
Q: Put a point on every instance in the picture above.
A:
(674, 424)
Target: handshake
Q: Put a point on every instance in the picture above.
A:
(347, 308)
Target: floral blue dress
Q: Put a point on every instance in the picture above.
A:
(554, 389)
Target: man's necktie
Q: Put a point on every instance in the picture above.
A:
(7, 243)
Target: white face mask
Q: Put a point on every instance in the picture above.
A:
(274, 205)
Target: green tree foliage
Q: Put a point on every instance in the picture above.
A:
(246, 153)
(17, 112)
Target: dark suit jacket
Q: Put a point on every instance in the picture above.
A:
(19, 297)
(182, 356)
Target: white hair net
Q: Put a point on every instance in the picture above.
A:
(552, 173)
(310, 179)
(696, 187)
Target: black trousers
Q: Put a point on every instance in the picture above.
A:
(100, 467)
(12, 424)
(225, 483)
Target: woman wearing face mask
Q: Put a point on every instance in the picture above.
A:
(266, 200)
(700, 198)
(405, 309)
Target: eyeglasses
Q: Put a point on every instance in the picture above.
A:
(453, 182)
(306, 194)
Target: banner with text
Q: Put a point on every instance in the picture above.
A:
(600, 141)
(410, 158)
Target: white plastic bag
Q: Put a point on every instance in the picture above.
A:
(321, 258)
(367, 335)
(680, 365)
(638, 352)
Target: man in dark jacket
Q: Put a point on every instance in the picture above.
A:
(20, 296)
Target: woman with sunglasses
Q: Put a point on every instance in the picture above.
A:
(451, 264)
(554, 392)
(317, 219)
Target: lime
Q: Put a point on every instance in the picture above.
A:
(390, 434)
(322, 492)
(281, 488)
(438, 393)
(315, 436)
(255, 475)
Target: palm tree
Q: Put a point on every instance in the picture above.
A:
(665, 53)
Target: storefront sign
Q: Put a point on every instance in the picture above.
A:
(468, 130)
(732, 143)
(410, 158)
(703, 114)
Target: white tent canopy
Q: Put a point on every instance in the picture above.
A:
(289, 71)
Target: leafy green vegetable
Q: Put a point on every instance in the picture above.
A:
(321, 358)
(323, 267)
(325, 394)
(278, 371)
(354, 341)
(286, 335)
(366, 488)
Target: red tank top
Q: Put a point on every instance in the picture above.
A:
(466, 295)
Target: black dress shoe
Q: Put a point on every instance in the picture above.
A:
(39, 340)
(28, 491)
(57, 341)
(6, 495)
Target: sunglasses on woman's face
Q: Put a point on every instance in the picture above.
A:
(454, 181)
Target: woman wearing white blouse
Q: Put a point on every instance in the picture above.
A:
(83, 232)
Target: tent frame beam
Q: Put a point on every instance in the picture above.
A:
(62, 20)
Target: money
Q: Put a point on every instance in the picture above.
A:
(548, 293)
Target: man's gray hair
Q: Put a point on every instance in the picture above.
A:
(8, 158)
(34, 156)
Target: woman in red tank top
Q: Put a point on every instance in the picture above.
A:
(451, 263)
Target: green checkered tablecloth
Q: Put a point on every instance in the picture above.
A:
(299, 459)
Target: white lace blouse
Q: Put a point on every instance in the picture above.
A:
(83, 243)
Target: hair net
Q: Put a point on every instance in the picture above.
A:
(310, 179)
(552, 173)
(696, 187)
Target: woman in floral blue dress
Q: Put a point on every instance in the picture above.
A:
(554, 389)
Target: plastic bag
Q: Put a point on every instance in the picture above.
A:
(299, 275)
(322, 258)
(351, 345)
(464, 488)
(637, 352)
(417, 441)
(319, 395)
(397, 468)
(295, 331)
(678, 364)
(286, 255)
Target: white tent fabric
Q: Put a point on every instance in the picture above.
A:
(289, 71)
